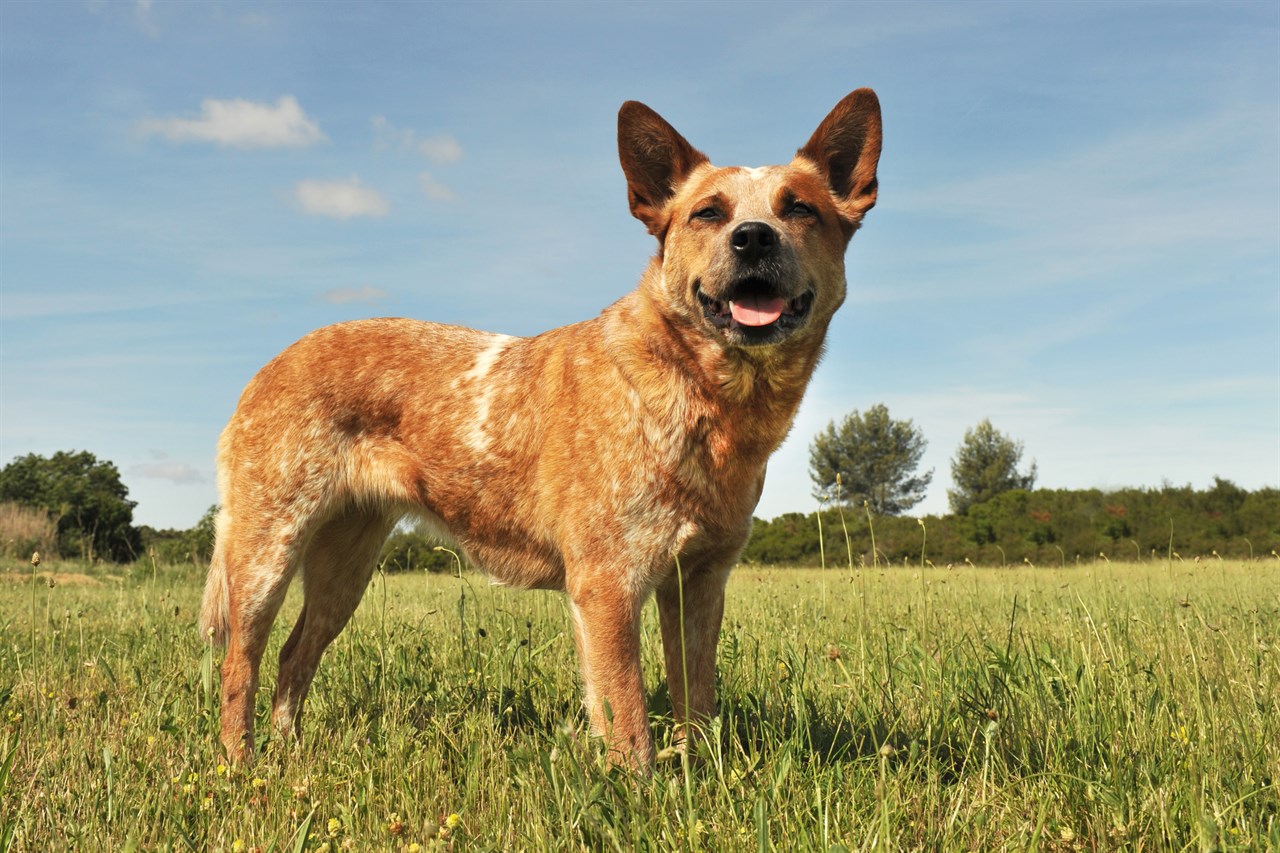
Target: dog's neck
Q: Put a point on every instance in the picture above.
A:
(747, 396)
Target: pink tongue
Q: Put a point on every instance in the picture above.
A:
(757, 310)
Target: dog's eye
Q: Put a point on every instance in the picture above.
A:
(710, 214)
(799, 208)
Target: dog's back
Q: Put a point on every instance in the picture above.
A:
(595, 458)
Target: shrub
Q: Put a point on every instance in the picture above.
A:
(415, 551)
(24, 530)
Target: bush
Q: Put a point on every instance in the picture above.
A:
(24, 530)
(1043, 527)
(86, 498)
(416, 551)
(193, 546)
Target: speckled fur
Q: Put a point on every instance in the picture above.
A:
(590, 458)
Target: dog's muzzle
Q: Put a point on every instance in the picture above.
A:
(753, 312)
(755, 309)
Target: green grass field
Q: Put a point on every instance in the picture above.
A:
(1101, 707)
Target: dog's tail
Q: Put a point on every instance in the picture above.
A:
(215, 609)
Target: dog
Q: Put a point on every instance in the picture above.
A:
(612, 459)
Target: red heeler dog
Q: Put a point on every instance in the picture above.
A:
(611, 459)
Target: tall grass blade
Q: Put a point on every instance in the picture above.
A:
(300, 838)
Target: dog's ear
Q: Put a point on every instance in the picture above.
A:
(656, 159)
(846, 148)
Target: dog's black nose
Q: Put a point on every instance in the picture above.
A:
(753, 241)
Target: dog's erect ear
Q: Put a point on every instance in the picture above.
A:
(655, 158)
(846, 147)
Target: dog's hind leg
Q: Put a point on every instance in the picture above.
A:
(258, 572)
(335, 572)
(689, 645)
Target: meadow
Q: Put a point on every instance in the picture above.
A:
(1103, 706)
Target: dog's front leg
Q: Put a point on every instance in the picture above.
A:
(689, 644)
(606, 622)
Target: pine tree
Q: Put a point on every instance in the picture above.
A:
(986, 465)
(876, 458)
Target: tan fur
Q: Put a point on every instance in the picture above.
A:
(590, 458)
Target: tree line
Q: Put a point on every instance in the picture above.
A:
(864, 469)
(1044, 527)
(864, 472)
(74, 505)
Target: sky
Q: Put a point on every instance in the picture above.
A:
(1077, 234)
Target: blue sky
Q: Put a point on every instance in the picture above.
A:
(1078, 232)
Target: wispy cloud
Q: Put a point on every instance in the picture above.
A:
(433, 189)
(142, 14)
(1121, 205)
(1151, 182)
(440, 148)
(241, 124)
(179, 473)
(340, 199)
(346, 295)
(386, 135)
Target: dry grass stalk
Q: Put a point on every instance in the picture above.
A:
(24, 530)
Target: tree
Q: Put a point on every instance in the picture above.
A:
(86, 498)
(875, 457)
(194, 545)
(986, 465)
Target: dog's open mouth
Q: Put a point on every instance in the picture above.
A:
(752, 312)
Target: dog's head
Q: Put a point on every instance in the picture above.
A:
(752, 257)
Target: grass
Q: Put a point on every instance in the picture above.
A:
(1109, 706)
(26, 530)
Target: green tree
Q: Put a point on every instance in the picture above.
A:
(91, 506)
(986, 465)
(876, 458)
(415, 550)
(198, 541)
(194, 545)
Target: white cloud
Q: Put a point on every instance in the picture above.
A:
(433, 189)
(1125, 206)
(440, 149)
(178, 473)
(363, 293)
(241, 124)
(340, 199)
(142, 14)
(386, 135)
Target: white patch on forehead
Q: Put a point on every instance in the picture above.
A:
(757, 172)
